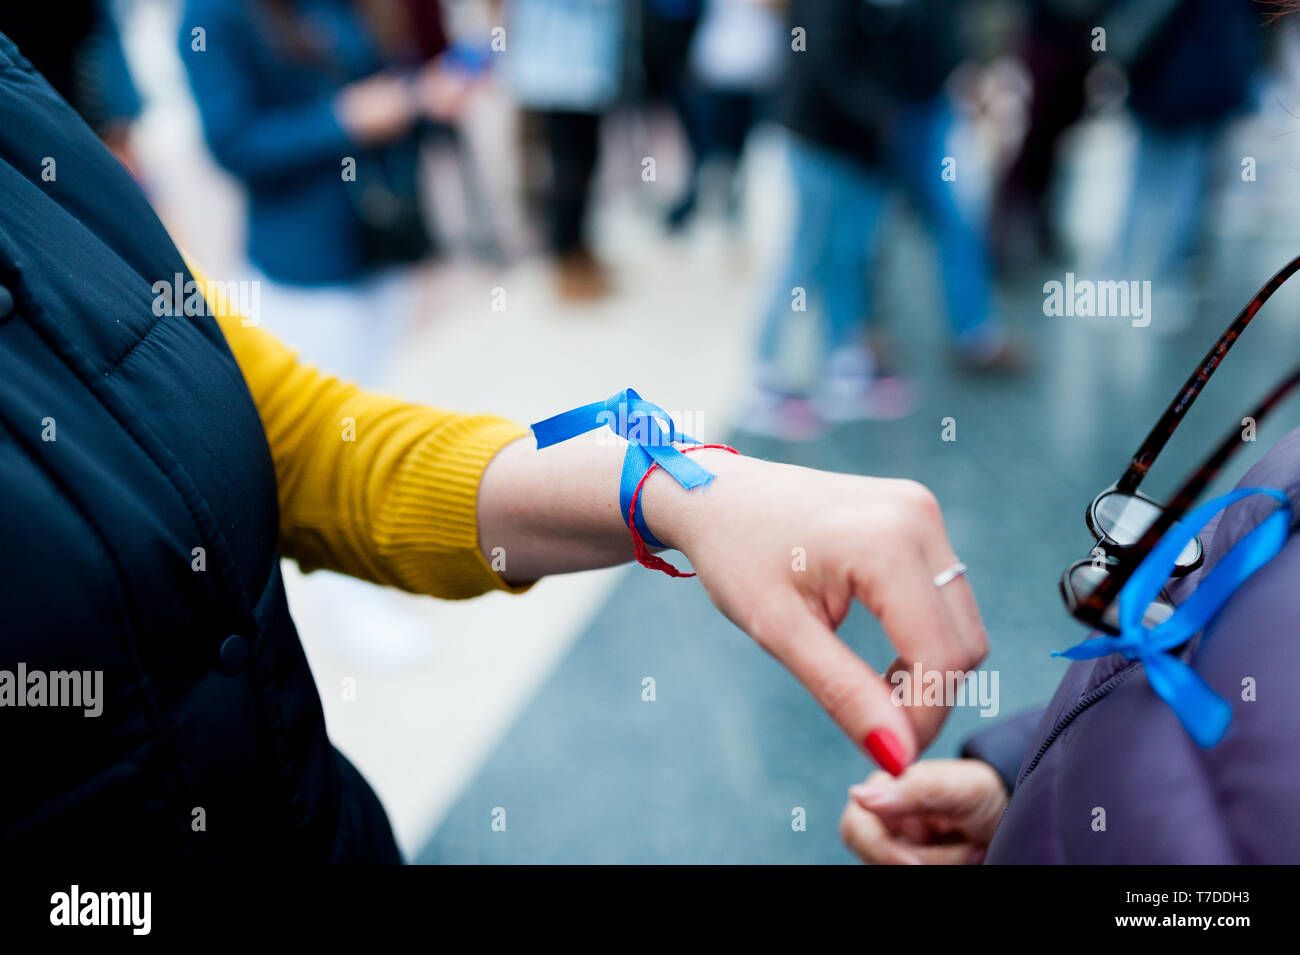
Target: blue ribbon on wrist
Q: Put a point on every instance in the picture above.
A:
(650, 433)
(1204, 714)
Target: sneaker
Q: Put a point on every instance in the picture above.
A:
(770, 413)
(855, 390)
(844, 399)
(996, 356)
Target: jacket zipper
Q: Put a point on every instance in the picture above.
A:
(1074, 711)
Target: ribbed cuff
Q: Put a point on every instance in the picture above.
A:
(428, 527)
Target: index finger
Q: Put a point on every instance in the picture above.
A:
(920, 626)
(854, 695)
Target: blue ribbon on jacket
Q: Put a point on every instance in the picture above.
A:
(1204, 714)
(650, 433)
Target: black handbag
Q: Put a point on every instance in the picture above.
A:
(387, 200)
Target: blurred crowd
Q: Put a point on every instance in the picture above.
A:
(353, 166)
(323, 109)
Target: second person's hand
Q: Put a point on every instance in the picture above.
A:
(939, 812)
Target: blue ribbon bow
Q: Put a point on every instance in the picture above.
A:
(1204, 714)
(650, 434)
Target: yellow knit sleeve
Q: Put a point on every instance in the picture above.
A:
(371, 486)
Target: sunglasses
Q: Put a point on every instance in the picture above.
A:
(1126, 524)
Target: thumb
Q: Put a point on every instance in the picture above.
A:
(926, 787)
(958, 853)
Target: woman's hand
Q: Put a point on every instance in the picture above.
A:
(378, 109)
(939, 812)
(783, 551)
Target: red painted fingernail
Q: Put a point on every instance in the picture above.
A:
(886, 750)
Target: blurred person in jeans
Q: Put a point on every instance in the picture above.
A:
(316, 107)
(734, 64)
(1057, 52)
(566, 62)
(1192, 66)
(866, 109)
(667, 28)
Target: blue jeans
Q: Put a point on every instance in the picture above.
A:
(837, 222)
(1166, 209)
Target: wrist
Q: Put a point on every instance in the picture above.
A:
(679, 517)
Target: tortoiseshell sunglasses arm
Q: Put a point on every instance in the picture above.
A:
(1173, 416)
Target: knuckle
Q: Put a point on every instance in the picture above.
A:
(892, 524)
(949, 657)
(961, 662)
(920, 499)
(964, 657)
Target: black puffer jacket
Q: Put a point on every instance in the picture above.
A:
(126, 442)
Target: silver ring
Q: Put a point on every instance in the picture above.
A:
(949, 575)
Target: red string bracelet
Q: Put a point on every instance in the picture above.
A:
(643, 555)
